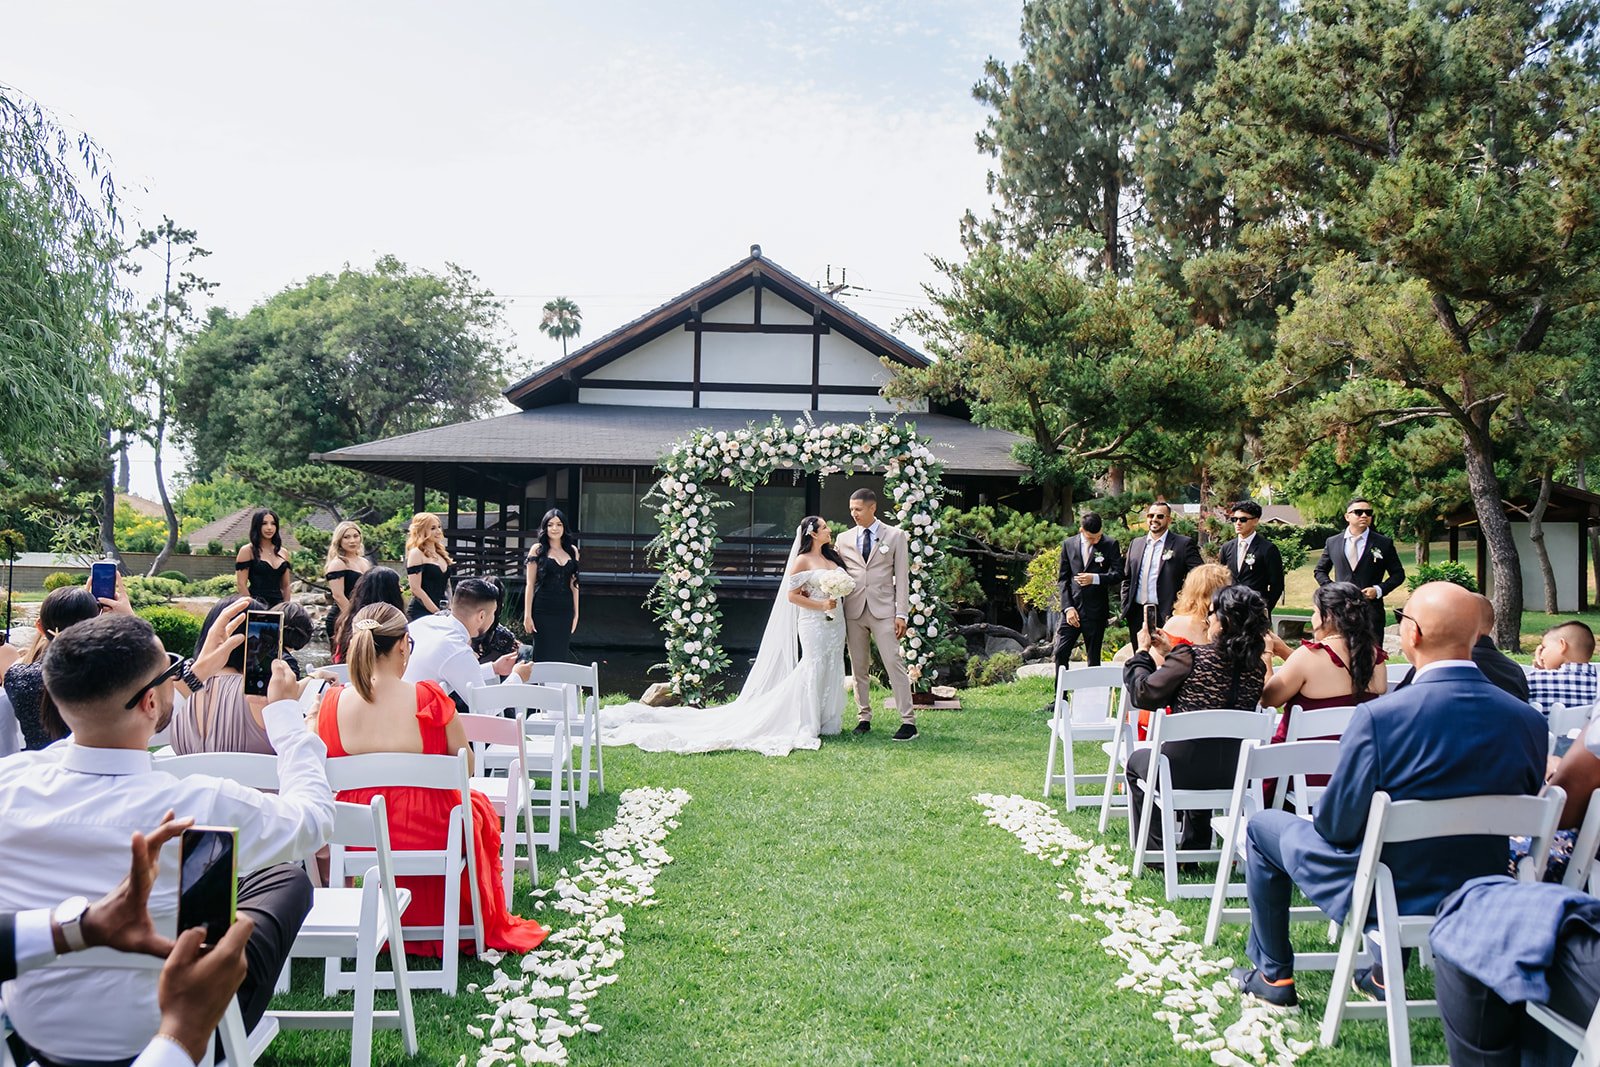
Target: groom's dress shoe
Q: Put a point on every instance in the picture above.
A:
(905, 733)
(862, 728)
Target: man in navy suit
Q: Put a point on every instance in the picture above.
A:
(1451, 733)
(1364, 557)
(1091, 564)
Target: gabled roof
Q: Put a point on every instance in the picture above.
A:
(554, 383)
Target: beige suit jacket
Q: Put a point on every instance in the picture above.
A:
(883, 582)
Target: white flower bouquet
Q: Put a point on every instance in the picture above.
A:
(836, 585)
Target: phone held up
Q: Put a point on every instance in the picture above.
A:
(103, 580)
(208, 886)
(263, 643)
(1150, 618)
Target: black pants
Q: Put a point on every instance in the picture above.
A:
(1093, 632)
(278, 899)
(1203, 764)
(1482, 1030)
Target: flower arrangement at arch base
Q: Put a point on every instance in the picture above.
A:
(684, 599)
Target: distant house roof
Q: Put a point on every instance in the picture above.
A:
(613, 435)
(233, 530)
(138, 503)
(555, 383)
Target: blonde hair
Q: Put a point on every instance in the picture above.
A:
(374, 632)
(1194, 599)
(431, 544)
(335, 553)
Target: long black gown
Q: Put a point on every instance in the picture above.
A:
(349, 578)
(264, 581)
(552, 609)
(435, 582)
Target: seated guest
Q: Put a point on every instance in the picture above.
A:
(1578, 773)
(1500, 945)
(297, 629)
(70, 811)
(1190, 622)
(1450, 734)
(498, 639)
(1226, 672)
(443, 650)
(24, 681)
(220, 718)
(380, 711)
(380, 585)
(1338, 666)
(1496, 666)
(1563, 669)
(194, 989)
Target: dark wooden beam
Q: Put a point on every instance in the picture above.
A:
(419, 496)
(755, 327)
(758, 300)
(452, 519)
(696, 322)
(816, 364)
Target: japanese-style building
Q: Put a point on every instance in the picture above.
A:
(752, 342)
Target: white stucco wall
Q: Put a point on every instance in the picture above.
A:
(754, 358)
(1561, 541)
(669, 358)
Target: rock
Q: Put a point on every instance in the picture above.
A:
(659, 695)
(1037, 670)
(993, 645)
(944, 692)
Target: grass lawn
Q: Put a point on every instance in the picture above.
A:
(851, 906)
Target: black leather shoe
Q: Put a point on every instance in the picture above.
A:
(862, 728)
(905, 733)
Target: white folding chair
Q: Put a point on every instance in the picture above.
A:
(1160, 792)
(1084, 701)
(357, 923)
(1585, 1040)
(253, 770)
(585, 720)
(10, 732)
(1582, 872)
(1394, 822)
(1562, 721)
(339, 671)
(508, 793)
(311, 694)
(1124, 740)
(1305, 726)
(1396, 671)
(381, 770)
(547, 751)
(1258, 762)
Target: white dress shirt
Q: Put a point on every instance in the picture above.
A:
(1440, 664)
(1150, 570)
(877, 540)
(1088, 555)
(1244, 550)
(443, 654)
(70, 811)
(1360, 544)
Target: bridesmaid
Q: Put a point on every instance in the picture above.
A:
(550, 595)
(347, 562)
(261, 567)
(428, 565)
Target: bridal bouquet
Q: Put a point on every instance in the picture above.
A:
(835, 584)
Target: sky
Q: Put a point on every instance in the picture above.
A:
(615, 153)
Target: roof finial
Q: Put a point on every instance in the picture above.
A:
(755, 251)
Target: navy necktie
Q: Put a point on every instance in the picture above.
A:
(866, 544)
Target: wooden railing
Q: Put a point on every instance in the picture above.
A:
(621, 555)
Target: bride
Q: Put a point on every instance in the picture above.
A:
(788, 702)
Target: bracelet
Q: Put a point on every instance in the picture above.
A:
(188, 677)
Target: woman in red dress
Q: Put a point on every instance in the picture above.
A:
(381, 712)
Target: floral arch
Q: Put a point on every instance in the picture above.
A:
(684, 598)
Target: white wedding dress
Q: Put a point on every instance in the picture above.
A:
(786, 703)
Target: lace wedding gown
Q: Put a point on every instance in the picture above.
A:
(794, 711)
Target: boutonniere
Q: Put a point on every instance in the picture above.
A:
(1166, 555)
(1377, 553)
(1099, 557)
(1250, 560)
(883, 549)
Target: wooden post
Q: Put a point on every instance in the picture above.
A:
(478, 514)
(453, 520)
(419, 496)
(1455, 544)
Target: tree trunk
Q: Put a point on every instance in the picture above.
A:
(1536, 536)
(1108, 223)
(161, 489)
(108, 503)
(1505, 564)
(1116, 481)
(1594, 531)
(124, 474)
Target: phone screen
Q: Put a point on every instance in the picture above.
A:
(1150, 617)
(103, 580)
(263, 643)
(208, 886)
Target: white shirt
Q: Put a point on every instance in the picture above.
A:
(1360, 542)
(444, 655)
(69, 813)
(877, 539)
(1440, 664)
(1088, 554)
(1150, 569)
(1244, 550)
(36, 947)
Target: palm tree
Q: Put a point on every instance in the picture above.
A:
(561, 319)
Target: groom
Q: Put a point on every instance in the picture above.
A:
(875, 555)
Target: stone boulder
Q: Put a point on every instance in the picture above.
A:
(659, 695)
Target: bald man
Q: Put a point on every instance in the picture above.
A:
(1496, 666)
(1451, 733)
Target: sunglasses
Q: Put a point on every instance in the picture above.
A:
(1362, 511)
(174, 668)
(1243, 518)
(1400, 616)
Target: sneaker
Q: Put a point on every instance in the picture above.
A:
(862, 728)
(1366, 982)
(1280, 995)
(905, 733)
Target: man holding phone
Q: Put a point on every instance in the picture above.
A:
(1158, 562)
(71, 809)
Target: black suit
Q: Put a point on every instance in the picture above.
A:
(1264, 575)
(8, 946)
(1092, 601)
(1180, 556)
(1378, 565)
(1505, 672)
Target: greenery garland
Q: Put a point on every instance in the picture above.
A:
(684, 598)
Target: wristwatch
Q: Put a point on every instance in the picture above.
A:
(187, 676)
(68, 915)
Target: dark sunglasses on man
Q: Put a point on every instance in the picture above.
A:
(1362, 511)
(177, 668)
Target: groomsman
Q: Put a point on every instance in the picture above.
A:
(1363, 556)
(1158, 562)
(1254, 560)
(1091, 565)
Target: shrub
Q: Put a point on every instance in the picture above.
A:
(1290, 541)
(216, 585)
(62, 579)
(146, 592)
(1314, 535)
(1041, 590)
(993, 670)
(1448, 571)
(177, 629)
(214, 547)
(184, 548)
(176, 576)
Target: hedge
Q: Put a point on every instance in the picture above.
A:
(177, 629)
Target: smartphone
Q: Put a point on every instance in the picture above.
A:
(1150, 618)
(208, 885)
(263, 643)
(103, 580)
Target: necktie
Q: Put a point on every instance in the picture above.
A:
(1352, 552)
(1152, 570)
(1243, 544)
(866, 545)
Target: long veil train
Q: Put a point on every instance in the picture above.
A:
(780, 706)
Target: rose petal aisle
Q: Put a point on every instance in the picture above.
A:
(544, 1002)
(1150, 940)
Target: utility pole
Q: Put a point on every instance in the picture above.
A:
(840, 288)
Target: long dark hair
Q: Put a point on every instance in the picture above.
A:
(259, 520)
(236, 657)
(808, 527)
(1243, 615)
(62, 608)
(569, 540)
(1342, 607)
(380, 585)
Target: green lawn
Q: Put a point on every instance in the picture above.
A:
(851, 906)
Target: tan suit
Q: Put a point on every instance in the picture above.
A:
(882, 586)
